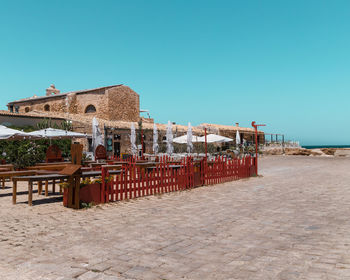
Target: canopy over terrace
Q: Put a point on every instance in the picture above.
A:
(213, 138)
(13, 134)
(53, 133)
(183, 139)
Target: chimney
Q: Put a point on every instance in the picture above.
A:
(52, 90)
(237, 124)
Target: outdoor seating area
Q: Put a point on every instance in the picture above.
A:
(106, 178)
(119, 180)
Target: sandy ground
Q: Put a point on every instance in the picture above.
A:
(291, 223)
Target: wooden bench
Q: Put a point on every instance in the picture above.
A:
(48, 177)
(112, 166)
(53, 167)
(9, 174)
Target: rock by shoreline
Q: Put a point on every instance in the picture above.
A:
(338, 152)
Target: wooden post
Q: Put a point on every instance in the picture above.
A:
(76, 192)
(206, 146)
(30, 193)
(70, 192)
(40, 187)
(53, 186)
(74, 173)
(61, 181)
(46, 188)
(256, 145)
(14, 192)
(76, 153)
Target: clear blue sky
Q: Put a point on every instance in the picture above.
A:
(283, 63)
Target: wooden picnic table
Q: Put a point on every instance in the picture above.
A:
(117, 162)
(52, 163)
(10, 166)
(145, 165)
(174, 161)
(149, 163)
(112, 166)
(54, 167)
(10, 173)
(85, 168)
(48, 177)
(97, 164)
(4, 169)
(173, 166)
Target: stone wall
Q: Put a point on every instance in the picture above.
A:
(248, 136)
(123, 104)
(56, 104)
(97, 98)
(116, 103)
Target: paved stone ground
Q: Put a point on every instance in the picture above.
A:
(292, 223)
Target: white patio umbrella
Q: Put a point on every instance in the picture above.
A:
(213, 138)
(238, 138)
(183, 139)
(97, 138)
(133, 139)
(155, 139)
(54, 133)
(169, 139)
(13, 134)
(189, 138)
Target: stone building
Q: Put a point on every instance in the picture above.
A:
(116, 108)
(116, 102)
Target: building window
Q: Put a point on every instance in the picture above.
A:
(16, 109)
(11, 108)
(90, 109)
(47, 107)
(91, 149)
(26, 109)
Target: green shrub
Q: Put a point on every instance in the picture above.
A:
(23, 153)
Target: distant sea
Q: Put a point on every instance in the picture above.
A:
(326, 146)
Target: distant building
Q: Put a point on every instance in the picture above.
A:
(116, 102)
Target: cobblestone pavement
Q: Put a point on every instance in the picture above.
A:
(292, 223)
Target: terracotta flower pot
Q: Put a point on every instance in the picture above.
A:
(91, 193)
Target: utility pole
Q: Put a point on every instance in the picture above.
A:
(206, 147)
(256, 145)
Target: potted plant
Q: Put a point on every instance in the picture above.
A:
(90, 191)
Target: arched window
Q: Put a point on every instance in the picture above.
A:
(90, 109)
(47, 107)
(26, 109)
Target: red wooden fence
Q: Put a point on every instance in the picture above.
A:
(135, 181)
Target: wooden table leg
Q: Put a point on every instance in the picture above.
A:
(30, 193)
(3, 182)
(40, 187)
(61, 181)
(14, 192)
(46, 188)
(54, 186)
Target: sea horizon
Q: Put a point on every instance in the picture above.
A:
(324, 146)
